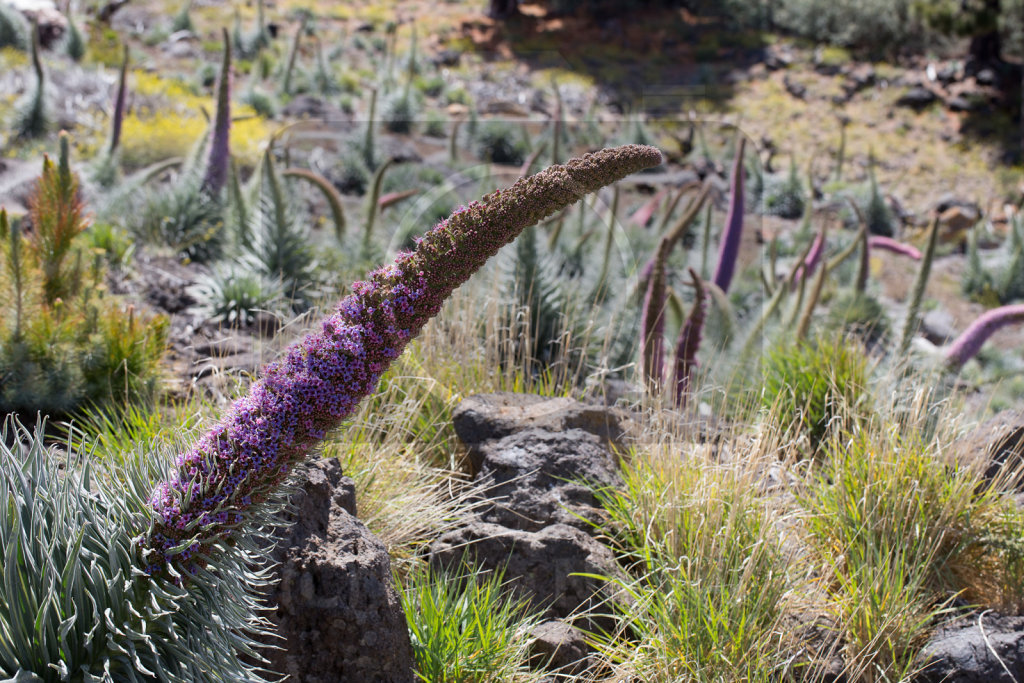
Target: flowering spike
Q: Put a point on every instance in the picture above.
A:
(806, 268)
(889, 244)
(967, 345)
(117, 118)
(730, 247)
(322, 378)
(689, 341)
(220, 142)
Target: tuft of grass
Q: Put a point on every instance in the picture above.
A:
(899, 536)
(467, 629)
(710, 580)
(815, 386)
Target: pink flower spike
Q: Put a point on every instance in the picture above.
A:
(643, 215)
(889, 244)
(967, 345)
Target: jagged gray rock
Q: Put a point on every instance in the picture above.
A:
(487, 417)
(336, 608)
(539, 566)
(988, 648)
(536, 477)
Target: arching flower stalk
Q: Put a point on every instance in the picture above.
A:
(967, 345)
(298, 400)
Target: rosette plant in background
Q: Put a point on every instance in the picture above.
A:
(149, 570)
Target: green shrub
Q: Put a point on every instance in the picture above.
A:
(998, 278)
(466, 628)
(859, 314)
(65, 343)
(783, 194)
(814, 386)
(184, 218)
(14, 30)
(500, 142)
(435, 125)
(234, 294)
(899, 536)
(400, 113)
(878, 27)
(710, 573)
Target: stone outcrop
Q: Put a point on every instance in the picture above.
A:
(337, 612)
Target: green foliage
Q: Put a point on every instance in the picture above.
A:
(859, 314)
(183, 20)
(879, 27)
(14, 30)
(74, 44)
(466, 628)
(77, 605)
(115, 244)
(898, 537)
(435, 124)
(500, 142)
(184, 218)
(783, 195)
(68, 343)
(262, 103)
(999, 278)
(432, 86)
(32, 112)
(235, 293)
(351, 174)
(815, 386)
(278, 247)
(711, 577)
(400, 113)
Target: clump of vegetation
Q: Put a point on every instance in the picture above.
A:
(815, 386)
(998, 278)
(783, 196)
(467, 627)
(500, 142)
(400, 113)
(14, 30)
(68, 344)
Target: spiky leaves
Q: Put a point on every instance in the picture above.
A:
(246, 456)
(75, 605)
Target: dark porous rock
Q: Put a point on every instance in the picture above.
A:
(337, 611)
(986, 648)
(486, 417)
(447, 58)
(535, 478)
(561, 648)
(794, 88)
(996, 447)
(542, 567)
(917, 97)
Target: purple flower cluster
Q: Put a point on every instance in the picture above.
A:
(299, 399)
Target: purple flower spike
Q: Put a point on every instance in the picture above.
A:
(889, 244)
(299, 399)
(117, 119)
(967, 345)
(689, 341)
(220, 142)
(652, 325)
(730, 246)
(806, 269)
